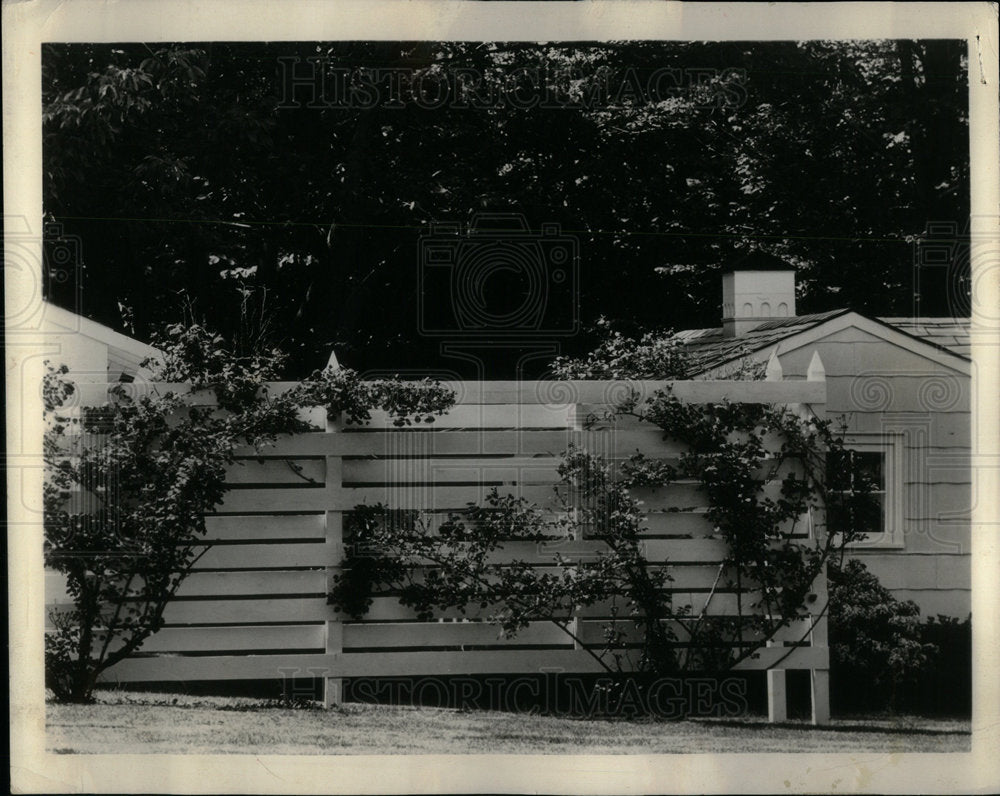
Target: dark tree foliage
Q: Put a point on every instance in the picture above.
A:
(188, 175)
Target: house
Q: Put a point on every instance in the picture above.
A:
(93, 352)
(900, 389)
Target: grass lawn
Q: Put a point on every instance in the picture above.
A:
(129, 723)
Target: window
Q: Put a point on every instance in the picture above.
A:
(873, 460)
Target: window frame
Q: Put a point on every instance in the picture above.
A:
(890, 445)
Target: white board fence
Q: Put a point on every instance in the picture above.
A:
(255, 607)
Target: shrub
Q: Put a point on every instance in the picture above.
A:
(127, 484)
(655, 355)
(945, 686)
(876, 643)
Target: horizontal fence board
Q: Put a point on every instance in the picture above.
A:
(263, 528)
(657, 522)
(219, 584)
(676, 495)
(685, 550)
(174, 669)
(515, 661)
(432, 496)
(236, 612)
(448, 634)
(452, 442)
(257, 501)
(592, 633)
(502, 661)
(725, 604)
(217, 639)
(786, 658)
(396, 664)
(272, 556)
(512, 470)
(290, 610)
(677, 523)
(424, 441)
(294, 472)
(557, 392)
(249, 584)
(389, 609)
(441, 471)
(525, 416)
(545, 393)
(88, 394)
(682, 578)
(528, 396)
(697, 551)
(718, 604)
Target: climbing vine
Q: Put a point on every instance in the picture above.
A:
(762, 472)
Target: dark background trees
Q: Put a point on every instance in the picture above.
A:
(193, 182)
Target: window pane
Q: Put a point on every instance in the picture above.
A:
(856, 492)
(838, 470)
(871, 465)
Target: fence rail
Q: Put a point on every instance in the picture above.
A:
(255, 606)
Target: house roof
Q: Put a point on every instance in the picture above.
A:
(711, 349)
(59, 319)
(950, 333)
(125, 354)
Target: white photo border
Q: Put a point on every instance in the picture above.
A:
(28, 24)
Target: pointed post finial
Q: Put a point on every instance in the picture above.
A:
(773, 370)
(816, 371)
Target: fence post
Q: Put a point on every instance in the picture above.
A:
(773, 371)
(777, 694)
(819, 679)
(777, 698)
(333, 686)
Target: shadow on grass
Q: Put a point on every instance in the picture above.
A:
(794, 725)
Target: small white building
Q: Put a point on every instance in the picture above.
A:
(93, 352)
(902, 387)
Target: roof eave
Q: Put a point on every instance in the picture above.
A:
(960, 362)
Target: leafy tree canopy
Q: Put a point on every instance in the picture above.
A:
(189, 175)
